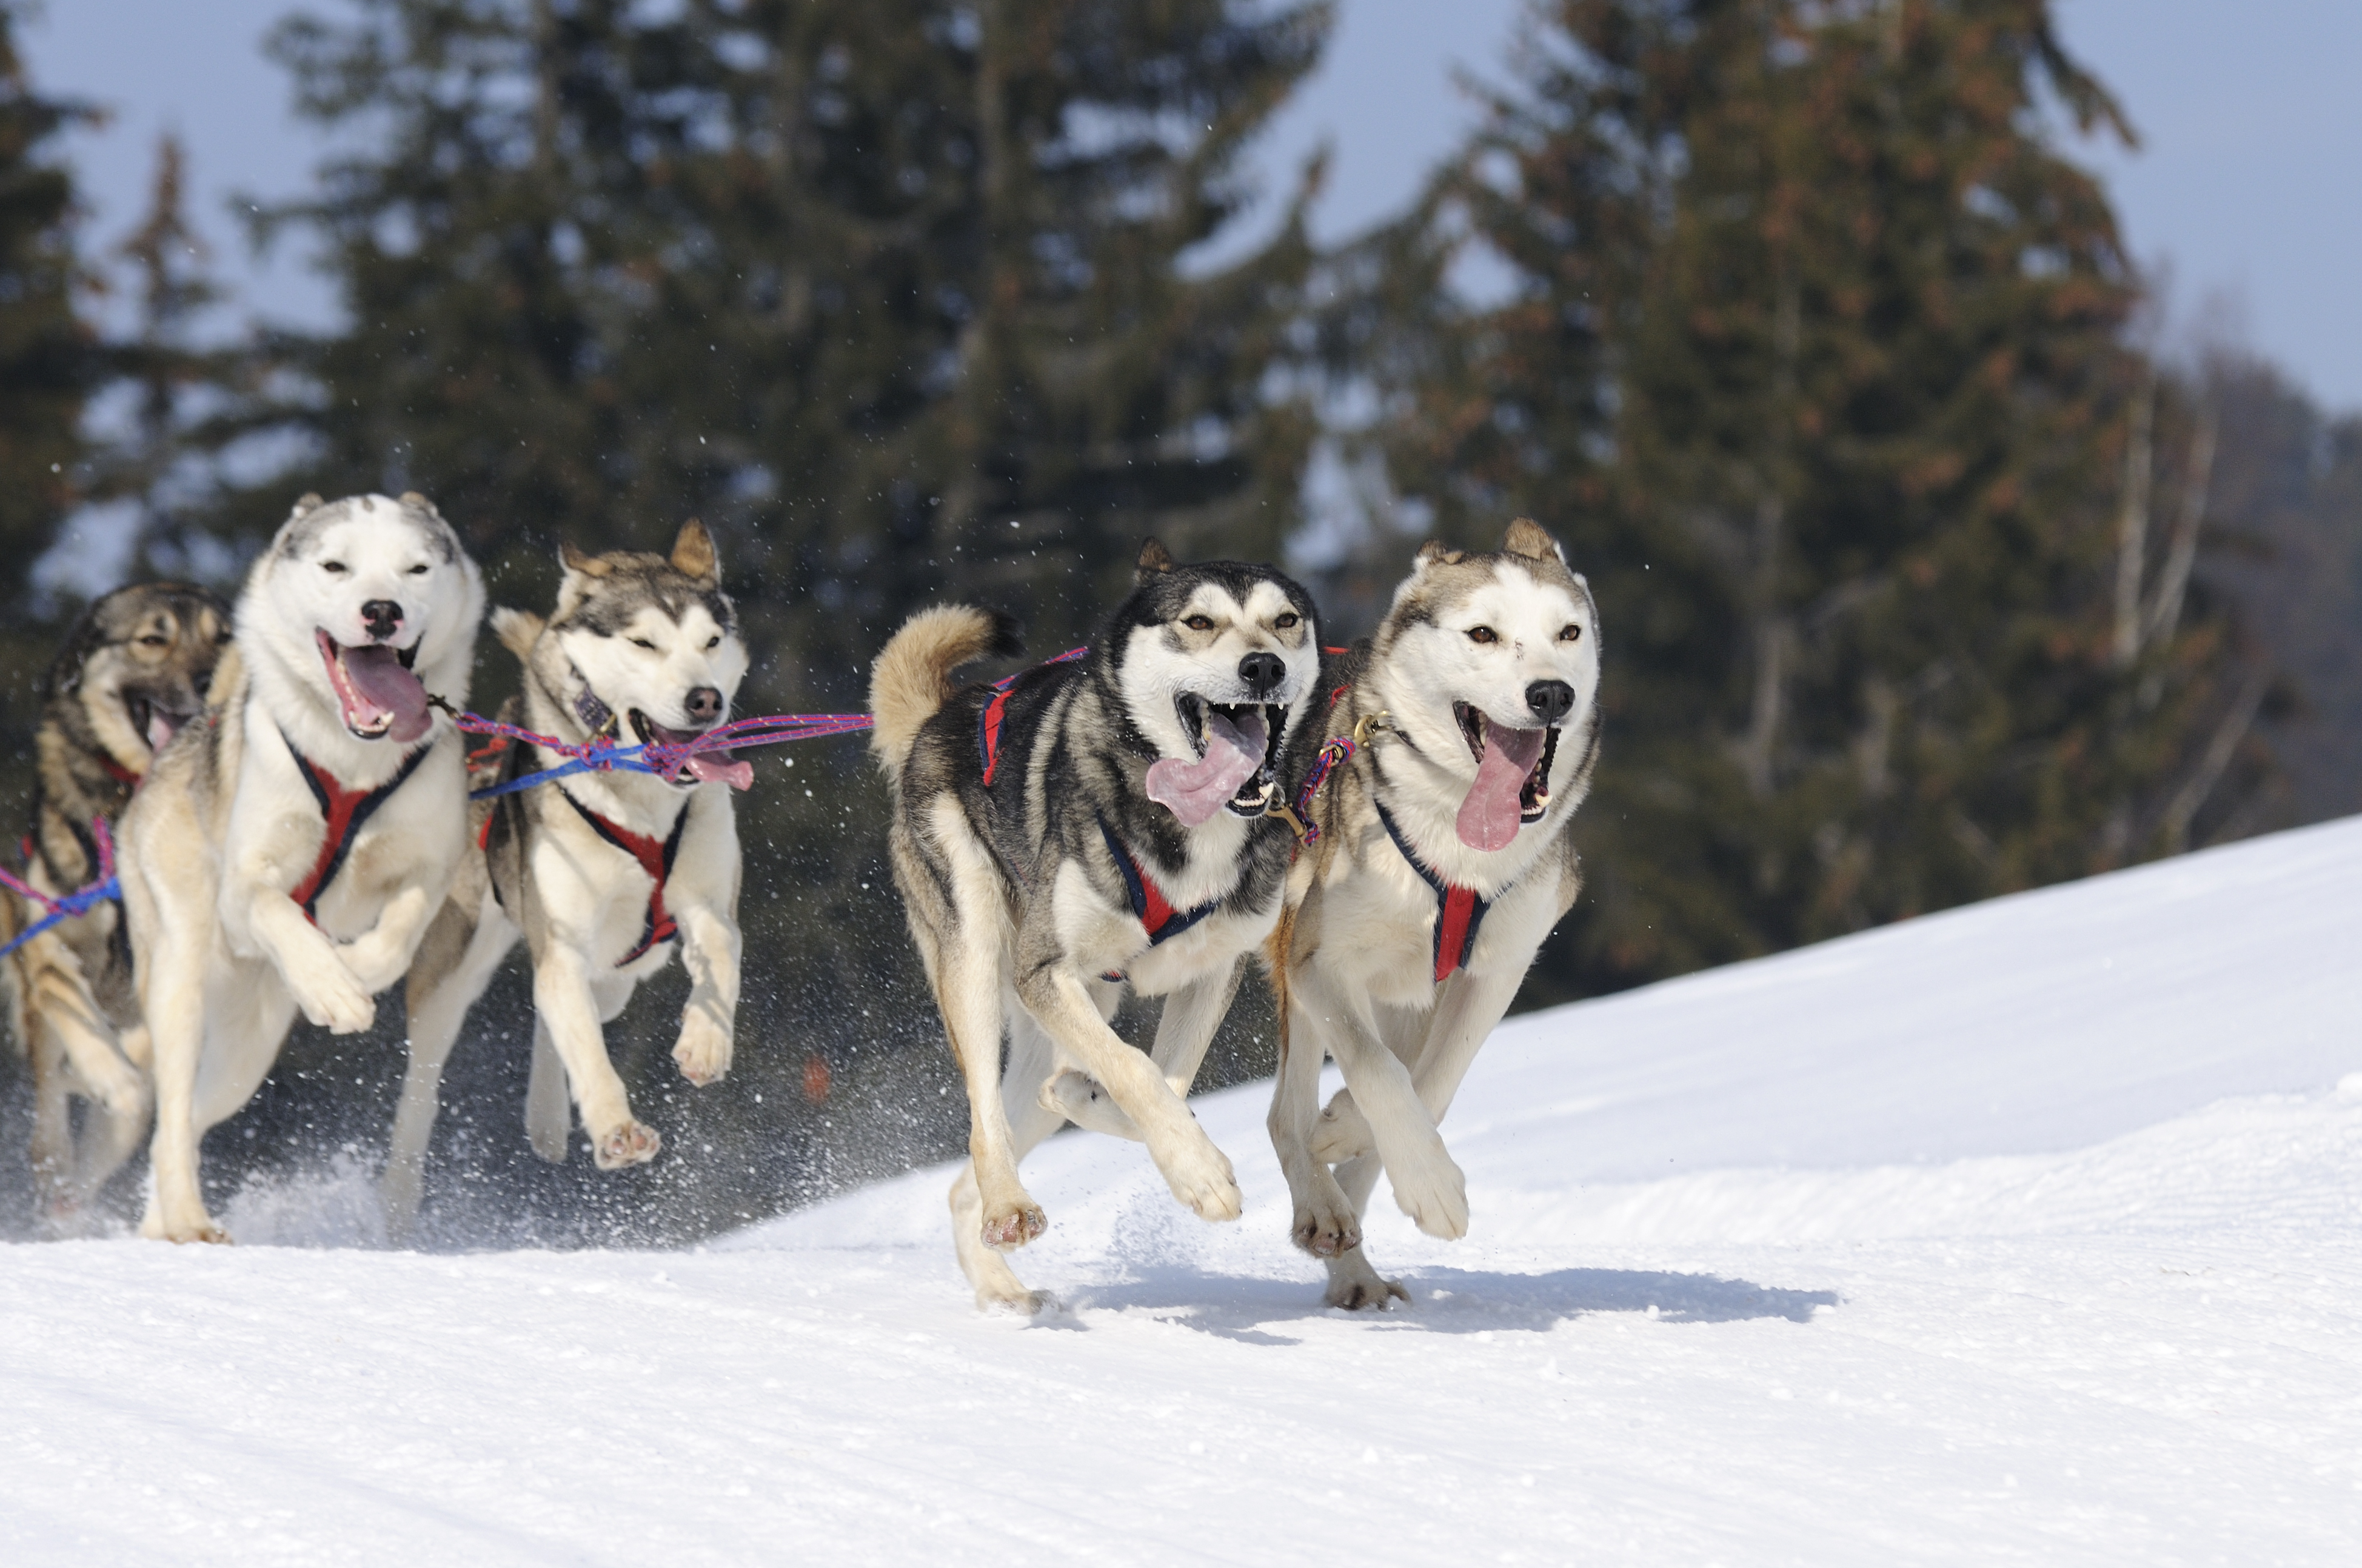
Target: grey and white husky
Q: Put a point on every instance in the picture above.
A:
(1442, 862)
(289, 848)
(604, 874)
(1088, 826)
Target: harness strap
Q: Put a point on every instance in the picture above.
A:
(987, 730)
(1459, 910)
(1149, 904)
(655, 858)
(345, 810)
(118, 773)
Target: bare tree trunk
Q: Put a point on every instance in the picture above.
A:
(2132, 528)
(1774, 633)
(963, 498)
(2182, 554)
(2191, 798)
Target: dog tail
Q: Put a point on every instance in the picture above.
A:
(911, 679)
(518, 629)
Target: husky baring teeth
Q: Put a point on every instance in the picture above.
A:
(603, 875)
(1084, 802)
(1442, 862)
(132, 671)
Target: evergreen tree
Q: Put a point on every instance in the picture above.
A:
(47, 362)
(1816, 360)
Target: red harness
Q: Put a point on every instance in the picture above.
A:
(343, 810)
(1458, 910)
(656, 857)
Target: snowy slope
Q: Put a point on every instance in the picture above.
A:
(2029, 1233)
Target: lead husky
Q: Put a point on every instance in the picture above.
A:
(132, 671)
(1442, 863)
(1084, 826)
(288, 850)
(601, 871)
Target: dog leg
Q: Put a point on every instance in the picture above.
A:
(1032, 1055)
(61, 1000)
(1344, 1133)
(967, 992)
(548, 1114)
(454, 965)
(1325, 1223)
(1354, 1283)
(562, 997)
(1197, 1172)
(709, 951)
(53, 1142)
(1466, 1015)
(380, 955)
(108, 1140)
(174, 1000)
(1428, 1186)
(310, 962)
(1191, 1017)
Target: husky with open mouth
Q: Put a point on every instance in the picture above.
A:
(290, 848)
(603, 873)
(1089, 824)
(133, 670)
(1442, 862)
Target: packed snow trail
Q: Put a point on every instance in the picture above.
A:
(2027, 1233)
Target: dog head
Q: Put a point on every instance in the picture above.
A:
(383, 601)
(648, 642)
(1215, 665)
(134, 669)
(1484, 659)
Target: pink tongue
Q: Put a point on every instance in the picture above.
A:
(1488, 818)
(379, 688)
(1194, 791)
(729, 770)
(159, 731)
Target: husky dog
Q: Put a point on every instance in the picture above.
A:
(600, 872)
(1086, 826)
(133, 670)
(1442, 862)
(289, 849)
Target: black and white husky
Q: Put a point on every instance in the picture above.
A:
(1088, 826)
(289, 848)
(1442, 863)
(603, 874)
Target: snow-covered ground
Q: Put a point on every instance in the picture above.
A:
(2030, 1233)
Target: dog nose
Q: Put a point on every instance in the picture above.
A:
(382, 617)
(704, 704)
(1263, 673)
(1551, 700)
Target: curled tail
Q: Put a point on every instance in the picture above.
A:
(912, 675)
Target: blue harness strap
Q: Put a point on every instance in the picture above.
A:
(1458, 910)
(1149, 904)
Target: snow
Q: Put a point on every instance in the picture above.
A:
(2026, 1233)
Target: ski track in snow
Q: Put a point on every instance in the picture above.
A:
(2023, 1233)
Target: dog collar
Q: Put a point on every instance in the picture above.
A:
(1458, 910)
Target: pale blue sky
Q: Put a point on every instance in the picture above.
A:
(2250, 121)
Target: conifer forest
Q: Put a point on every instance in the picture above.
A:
(1926, 570)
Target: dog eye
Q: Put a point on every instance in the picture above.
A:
(1199, 623)
(714, 641)
(155, 640)
(1286, 620)
(419, 570)
(336, 566)
(1572, 634)
(1483, 634)
(644, 643)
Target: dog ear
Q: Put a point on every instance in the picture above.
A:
(574, 560)
(308, 501)
(692, 554)
(1527, 538)
(1435, 552)
(1155, 560)
(413, 499)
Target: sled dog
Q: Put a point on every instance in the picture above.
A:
(1442, 862)
(603, 873)
(1086, 826)
(290, 848)
(132, 671)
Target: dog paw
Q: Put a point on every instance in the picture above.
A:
(200, 1229)
(1201, 1178)
(1015, 1300)
(1009, 1226)
(331, 997)
(1433, 1192)
(1325, 1226)
(123, 1091)
(703, 1050)
(633, 1142)
(1342, 1133)
(1079, 1098)
(1355, 1287)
